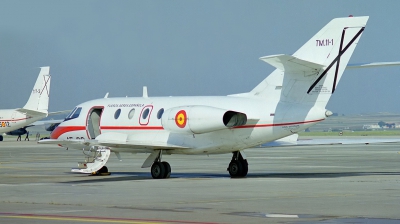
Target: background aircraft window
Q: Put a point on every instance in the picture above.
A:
(131, 113)
(160, 113)
(117, 113)
(145, 113)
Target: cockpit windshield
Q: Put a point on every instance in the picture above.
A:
(74, 114)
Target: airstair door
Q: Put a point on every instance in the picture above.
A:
(93, 122)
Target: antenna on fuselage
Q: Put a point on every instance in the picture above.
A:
(145, 92)
(106, 96)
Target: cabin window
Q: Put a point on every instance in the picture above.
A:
(131, 113)
(160, 113)
(117, 113)
(145, 113)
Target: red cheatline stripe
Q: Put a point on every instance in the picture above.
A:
(131, 128)
(63, 129)
(105, 219)
(279, 124)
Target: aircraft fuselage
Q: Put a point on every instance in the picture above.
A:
(145, 119)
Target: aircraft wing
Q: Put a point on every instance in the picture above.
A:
(65, 143)
(122, 140)
(60, 112)
(44, 122)
(114, 142)
(293, 140)
(33, 113)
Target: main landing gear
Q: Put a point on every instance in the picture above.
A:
(238, 167)
(160, 170)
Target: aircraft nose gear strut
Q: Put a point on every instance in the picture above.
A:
(238, 167)
(95, 160)
(159, 170)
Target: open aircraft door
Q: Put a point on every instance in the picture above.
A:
(93, 122)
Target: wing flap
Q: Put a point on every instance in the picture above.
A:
(135, 141)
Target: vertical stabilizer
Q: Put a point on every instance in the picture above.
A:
(39, 99)
(312, 73)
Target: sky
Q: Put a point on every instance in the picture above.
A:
(184, 48)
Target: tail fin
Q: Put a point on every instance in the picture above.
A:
(312, 73)
(39, 99)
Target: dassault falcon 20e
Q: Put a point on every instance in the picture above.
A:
(292, 98)
(35, 109)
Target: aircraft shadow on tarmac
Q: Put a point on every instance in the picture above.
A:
(129, 176)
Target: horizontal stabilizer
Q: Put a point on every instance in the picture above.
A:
(372, 65)
(290, 63)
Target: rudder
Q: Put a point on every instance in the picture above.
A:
(39, 98)
(312, 73)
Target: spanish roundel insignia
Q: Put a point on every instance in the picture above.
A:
(180, 118)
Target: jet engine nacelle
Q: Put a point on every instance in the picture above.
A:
(20, 131)
(200, 119)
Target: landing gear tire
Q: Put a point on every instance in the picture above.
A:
(238, 167)
(167, 169)
(1, 138)
(235, 169)
(158, 170)
(245, 167)
(104, 169)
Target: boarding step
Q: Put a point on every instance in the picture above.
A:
(93, 163)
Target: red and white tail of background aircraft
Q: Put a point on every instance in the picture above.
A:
(292, 98)
(35, 109)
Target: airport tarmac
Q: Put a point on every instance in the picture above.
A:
(303, 184)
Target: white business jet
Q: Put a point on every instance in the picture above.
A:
(35, 109)
(292, 98)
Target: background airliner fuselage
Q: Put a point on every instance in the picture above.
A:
(35, 109)
(13, 119)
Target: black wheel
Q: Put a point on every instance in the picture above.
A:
(157, 170)
(235, 168)
(245, 167)
(104, 169)
(167, 169)
(1, 138)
